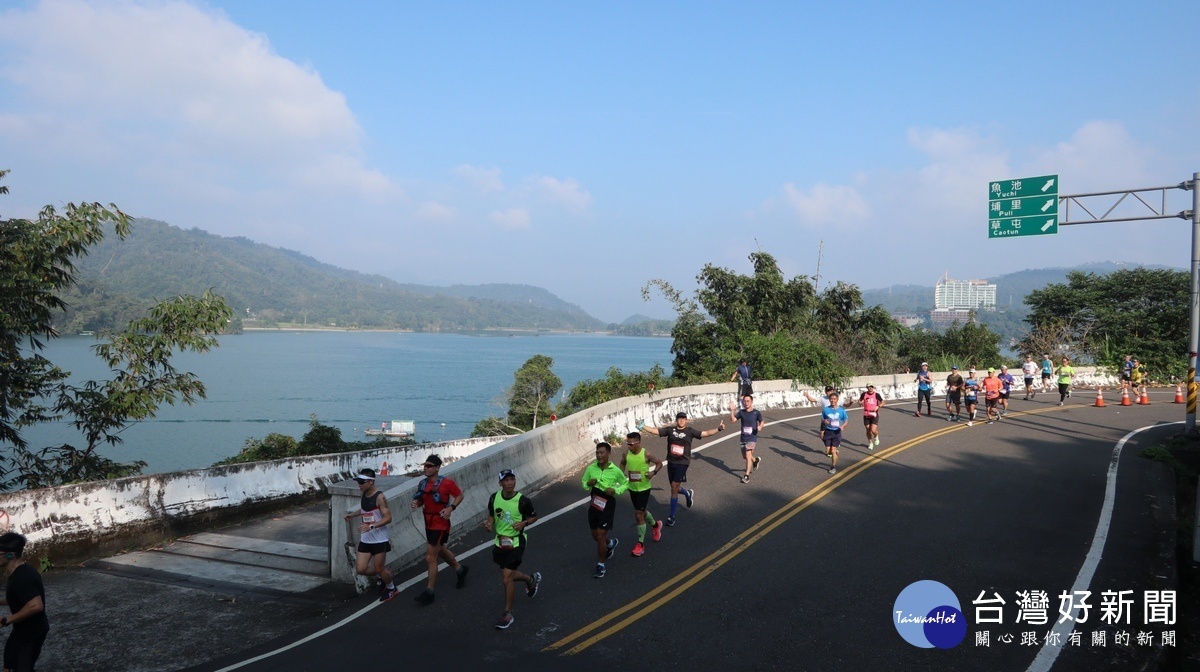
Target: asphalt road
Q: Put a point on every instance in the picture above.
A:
(801, 570)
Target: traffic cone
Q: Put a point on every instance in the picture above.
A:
(1100, 397)
(1179, 395)
(1125, 397)
(384, 470)
(1144, 400)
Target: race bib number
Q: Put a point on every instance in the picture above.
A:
(871, 414)
(677, 449)
(599, 503)
(506, 542)
(635, 476)
(835, 423)
(747, 431)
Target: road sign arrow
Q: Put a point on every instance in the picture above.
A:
(1049, 183)
(1049, 204)
(1049, 223)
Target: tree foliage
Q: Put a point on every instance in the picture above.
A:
(1141, 312)
(614, 385)
(528, 399)
(37, 266)
(320, 439)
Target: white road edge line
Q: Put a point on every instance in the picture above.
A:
(1049, 653)
(421, 577)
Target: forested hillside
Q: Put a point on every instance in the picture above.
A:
(268, 286)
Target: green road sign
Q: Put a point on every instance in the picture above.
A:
(1026, 206)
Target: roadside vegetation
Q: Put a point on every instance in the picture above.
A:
(320, 439)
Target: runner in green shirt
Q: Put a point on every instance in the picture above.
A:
(604, 481)
(636, 465)
(511, 512)
(1066, 373)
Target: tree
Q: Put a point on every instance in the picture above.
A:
(1141, 312)
(37, 266)
(614, 385)
(528, 400)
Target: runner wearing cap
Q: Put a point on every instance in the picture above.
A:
(991, 395)
(1047, 372)
(1029, 369)
(954, 385)
(373, 544)
(871, 401)
(752, 421)
(1006, 378)
(509, 513)
(1066, 373)
(604, 481)
(679, 456)
(636, 463)
(438, 497)
(924, 389)
(970, 388)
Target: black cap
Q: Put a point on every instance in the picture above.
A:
(680, 414)
(505, 473)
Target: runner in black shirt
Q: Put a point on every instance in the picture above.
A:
(679, 456)
(26, 598)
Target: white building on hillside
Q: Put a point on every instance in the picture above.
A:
(953, 300)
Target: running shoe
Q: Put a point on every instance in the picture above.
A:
(877, 442)
(870, 445)
(690, 495)
(1060, 403)
(612, 547)
(656, 531)
(532, 589)
(757, 461)
(991, 422)
(918, 414)
(745, 478)
(601, 570)
(970, 423)
(670, 521)
(461, 576)
(639, 549)
(951, 418)
(425, 597)
(506, 619)
(833, 470)
(388, 594)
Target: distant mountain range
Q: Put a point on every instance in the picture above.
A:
(269, 286)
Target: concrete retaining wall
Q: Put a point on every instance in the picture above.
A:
(553, 452)
(74, 521)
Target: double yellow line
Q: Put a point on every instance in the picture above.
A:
(631, 613)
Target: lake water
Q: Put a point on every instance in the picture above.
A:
(263, 382)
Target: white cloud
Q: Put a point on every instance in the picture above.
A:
(961, 162)
(1100, 156)
(436, 213)
(175, 85)
(512, 219)
(566, 192)
(825, 205)
(483, 180)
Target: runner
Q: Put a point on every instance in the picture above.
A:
(833, 419)
(954, 387)
(871, 401)
(25, 596)
(925, 389)
(1006, 378)
(1066, 373)
(604, 481)
(438, 496)
(1047, 372)
(1127, 368)
(373, 544)
(1029, 369)
(744, 378)
(827, 403)
(679, 456)
(752, 421)
(991, 396)
(636, 465)
(510, 513)
(970, 388)
(1135, 378)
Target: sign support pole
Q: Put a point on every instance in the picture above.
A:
(1194, 334)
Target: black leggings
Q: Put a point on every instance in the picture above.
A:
(927, 395)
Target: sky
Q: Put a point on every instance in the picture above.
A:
(590, 147)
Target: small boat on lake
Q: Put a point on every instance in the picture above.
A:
(395, 429)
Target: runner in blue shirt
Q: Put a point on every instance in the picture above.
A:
(1047, 371)
(752, 421)
(924, 389)
(970, 395)
(833, 419)
(1008, 380)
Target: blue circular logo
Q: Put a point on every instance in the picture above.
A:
(928, 614)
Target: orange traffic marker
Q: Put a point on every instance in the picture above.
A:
(1144, 400)
(1125, 397)
(384, 470)
(1100, 397)
(1179, 395)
